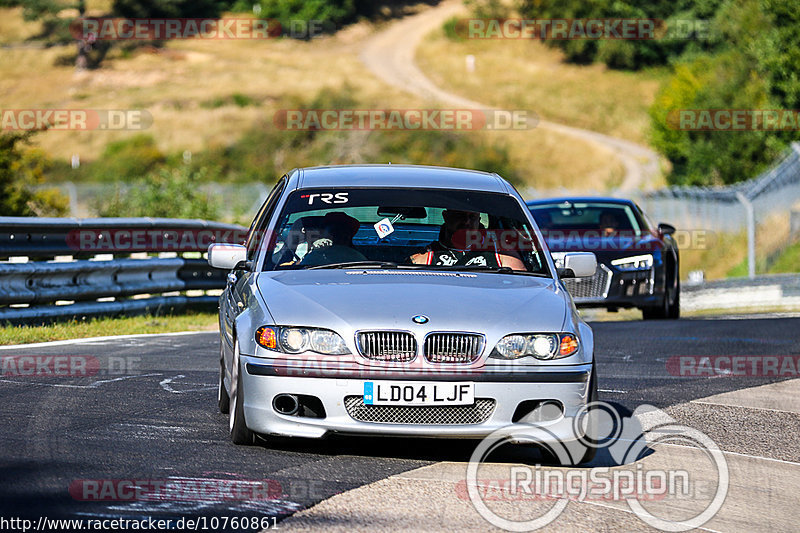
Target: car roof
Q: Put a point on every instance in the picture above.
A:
(580, 199)
(405, 176)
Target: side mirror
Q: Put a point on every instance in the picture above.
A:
(578, 265)
(666, 229)
(227, 256)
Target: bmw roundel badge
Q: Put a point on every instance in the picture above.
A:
(420, 319)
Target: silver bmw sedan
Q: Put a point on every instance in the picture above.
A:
(399, 300)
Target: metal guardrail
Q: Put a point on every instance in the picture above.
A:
(50, 237)
(104, 266)
(777, 291)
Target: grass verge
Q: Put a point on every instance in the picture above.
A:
(788, 261)
(100, 327)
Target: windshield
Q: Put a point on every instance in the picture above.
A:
(607, 219)
(404, 228)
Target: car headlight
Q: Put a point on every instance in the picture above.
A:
(290, 339)
(539, 345)
(637, 262)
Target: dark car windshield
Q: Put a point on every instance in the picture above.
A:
(404, 228)
(605, 218)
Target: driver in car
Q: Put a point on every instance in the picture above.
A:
(455, 245)
(329, 240)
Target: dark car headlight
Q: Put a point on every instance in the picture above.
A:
(636, 262)
(290, 339)
(539, 345)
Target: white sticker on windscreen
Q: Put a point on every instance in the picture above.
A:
(384, 227)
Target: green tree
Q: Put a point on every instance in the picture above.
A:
(169, 193)
(20, 171)
(14, 195)
(620, 53)
(753, 67)
(169, 8)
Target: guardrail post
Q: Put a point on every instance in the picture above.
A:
(751, 234)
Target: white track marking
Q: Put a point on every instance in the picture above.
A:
(701, 402)
(92, 385)
(166, 384)
(89, 340)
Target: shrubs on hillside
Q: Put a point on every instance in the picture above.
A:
(725, 54)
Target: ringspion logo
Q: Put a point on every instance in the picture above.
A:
(635, 480)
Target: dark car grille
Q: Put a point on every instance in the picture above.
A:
(593, 288)
(453, 347)
(453, 415)
(392, 346)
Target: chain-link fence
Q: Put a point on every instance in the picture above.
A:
(234, 201)
(760, 207)
(725, 208)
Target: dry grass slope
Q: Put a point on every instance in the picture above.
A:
(176, 83)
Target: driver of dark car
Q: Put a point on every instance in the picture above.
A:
(455, 245)
(609, 223)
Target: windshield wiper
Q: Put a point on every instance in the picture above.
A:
(356, 264)
(500, 270)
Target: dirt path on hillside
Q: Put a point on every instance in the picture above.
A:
(390, 55)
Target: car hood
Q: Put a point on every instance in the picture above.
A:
(380, 299)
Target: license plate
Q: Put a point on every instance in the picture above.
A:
(410, 393)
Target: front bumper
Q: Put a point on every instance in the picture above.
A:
(613, 288)
(264, 379)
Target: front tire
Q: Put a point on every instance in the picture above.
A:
(223, 400)
(675, 309)
(670, 307)
(240, 434)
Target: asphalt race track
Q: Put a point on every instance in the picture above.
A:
(148, 413)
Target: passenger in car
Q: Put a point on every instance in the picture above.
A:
(455, 248)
